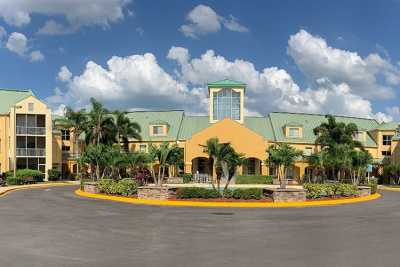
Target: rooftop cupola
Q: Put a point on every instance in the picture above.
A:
(226, 100)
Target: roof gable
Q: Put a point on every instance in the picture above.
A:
(310, 121)
(9, 97)
(147, 118)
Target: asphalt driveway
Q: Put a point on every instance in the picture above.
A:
(54, 227)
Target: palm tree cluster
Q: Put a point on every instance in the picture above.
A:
(100, 125)
(282, 157)
(340, 156)
(224, 159)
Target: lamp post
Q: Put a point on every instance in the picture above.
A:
(15, 140)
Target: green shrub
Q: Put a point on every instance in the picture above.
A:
(127, 187)
(329, 190)
(124, 187)
(187, 178)
(253, 179)
(27, 175)
(247, 193)
(196, 192)
(14, 181)
(199, 192)
(104, 185)
(54, 175)
(347, 190)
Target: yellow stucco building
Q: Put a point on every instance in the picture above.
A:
(27, 136)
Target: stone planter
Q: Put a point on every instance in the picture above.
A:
(154, 192)
(90, 187)
(364, 191)
(288, 194)
(175, 180)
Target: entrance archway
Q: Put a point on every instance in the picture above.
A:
(202, 165)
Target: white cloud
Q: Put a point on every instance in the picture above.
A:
(77, 13)
(203, 20)
(135, 81)
(317, 59)
(139, 82)
(233, 24)
(18, 43)
(36, 56)
(64, 74)
(394, 112)
(51, 27)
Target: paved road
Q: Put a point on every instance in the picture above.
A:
(53, 227)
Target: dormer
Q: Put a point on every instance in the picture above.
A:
(158, 128)
(293, 130)
(226, 100)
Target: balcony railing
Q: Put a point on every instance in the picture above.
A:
(31, 152)
(21, 130)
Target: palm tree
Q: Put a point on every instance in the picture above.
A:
(125, 128)
(96, 156)
(161, 154)
(332, 133)
(101, 127)
(223, 158)
(360, 161)
(282, 156)
(76, 123)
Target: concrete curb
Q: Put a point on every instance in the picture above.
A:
(7, 190)
(175, 203)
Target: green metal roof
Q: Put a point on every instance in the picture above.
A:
(310, 121)
(194, 124)
(388, 126)
(226, 83)
(146, 118)
(9, 97)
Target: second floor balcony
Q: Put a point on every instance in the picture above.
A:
(31, 152)
(21, 130)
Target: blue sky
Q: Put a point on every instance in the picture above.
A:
(306, 56)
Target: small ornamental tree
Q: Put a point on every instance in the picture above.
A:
(282, 156)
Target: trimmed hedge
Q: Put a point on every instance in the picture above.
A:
(123, 187)
(54, 175)
(196, 192)
(206, 193)
(187, 178)
(253, 179)
(24, 176)
(330, 190)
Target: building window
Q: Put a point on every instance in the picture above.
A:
(226, 104)
(30, 107)
(157, 130)
(142, 147)
(294, 132)
(387, 140)
(308, 151)
(386, 153)
(66, 148)
(65, 135)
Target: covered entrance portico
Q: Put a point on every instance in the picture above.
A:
(243, 140)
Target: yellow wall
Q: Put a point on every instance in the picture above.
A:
(242, 139)
(41, 109)
(4, 139)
